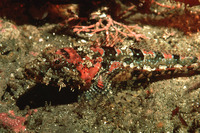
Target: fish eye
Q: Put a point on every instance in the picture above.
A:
(57, 61)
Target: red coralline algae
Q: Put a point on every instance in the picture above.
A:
(189, 2)
(108, 32)
(112, 31)
(15, 123)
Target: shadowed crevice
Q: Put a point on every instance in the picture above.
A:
(40, 95)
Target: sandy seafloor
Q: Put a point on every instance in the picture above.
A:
(168, 105)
